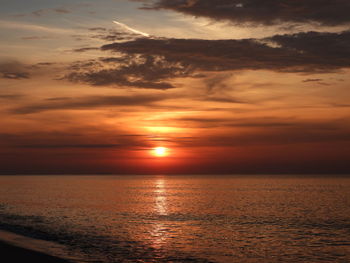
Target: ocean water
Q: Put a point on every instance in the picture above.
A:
(183, 218)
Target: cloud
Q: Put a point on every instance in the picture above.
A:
(272, 136)
(267, 131)
(303, 52)
(217, 83)
(152, 63)
(89, 103)
(312, 80)
(146, 72)
(324, 46)
(46, 64)
(114, 34)
(60, 10)
(223, 99)
(68, 146)
(13, 70)
(269, 12)
(340, 105)
(85, 49)
(32, 27)
(97, 29)
(106, 34)
(116, 77)
(10, 96)
(78, 138)
(15, 75)
(266, 122)
(39, 12)
(36, 37)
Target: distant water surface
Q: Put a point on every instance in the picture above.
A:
(183, 218)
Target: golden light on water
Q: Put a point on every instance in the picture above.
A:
(160, 232)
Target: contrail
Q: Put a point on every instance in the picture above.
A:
(131, 29)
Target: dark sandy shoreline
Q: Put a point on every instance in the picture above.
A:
(19, 248)
(10, 253)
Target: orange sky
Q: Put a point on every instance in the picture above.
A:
(223, 93)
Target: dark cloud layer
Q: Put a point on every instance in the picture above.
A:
(69, 146)
(267, 12)
(151, 63)
(303, 52)
(146, 72)
(88, 102)
(274, 146)
(327, 46)
(79, 138)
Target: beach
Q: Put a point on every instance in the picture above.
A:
(10, 253)
(19, 248)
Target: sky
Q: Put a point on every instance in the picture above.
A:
(223, 86)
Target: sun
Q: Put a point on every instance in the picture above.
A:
(160, 151)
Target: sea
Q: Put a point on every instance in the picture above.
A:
(192, 218)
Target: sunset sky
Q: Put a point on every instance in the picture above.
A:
(224, 86)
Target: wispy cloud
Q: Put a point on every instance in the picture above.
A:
(13, 70)
(32, 27)
(89, 103)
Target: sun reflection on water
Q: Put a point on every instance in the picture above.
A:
(159, 230)
(160, 197)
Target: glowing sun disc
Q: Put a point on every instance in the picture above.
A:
(160, 151)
